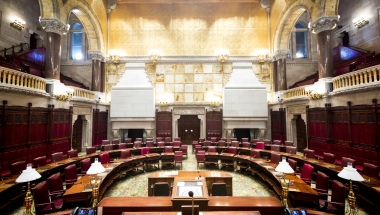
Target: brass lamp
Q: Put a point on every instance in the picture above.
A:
(351, 174)
(28, 175)
(284, 167)
(94, 169)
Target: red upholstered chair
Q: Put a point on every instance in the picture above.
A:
(201, 140)
(177, 143)
(145, 150)
(161, 189)
(214, 139)
(55, 185)
(291, 150)
(224, 139)
(56, 157)
(219, 189)
(244, 139)
(168, 149)
(267, 142)
(184, 150)
(254, 153)
(345, 160)
(104, 158)
(178, 157)
(149, 139)
(193, 144)
(207, 143)
(370, 170)
(322, 182)
(168, 139)
(128, 140)
(233, 139)
(85, 165)
(90, 150)
(139, 139)
(107, 147)
(201, 157)
(137, 144)
(289, 143)
(232, 150)
(246, 145)
(177, 139)
(71, 175)
(159, 139)
(72, 153)
(161, 144)
(308, 153)
(260, 145)
(40, 161)
(337, 203)
(275, 158)
(42, 201)
(234, 143)
(307, 173)
(221, 143)
(328, 158)
(293, 164)
(211, 149)
(18, 167)
(275, 148)
(197, 148)
(277, 142)
(149, 143)
(122, 146)
(105, 142)
(125, 153)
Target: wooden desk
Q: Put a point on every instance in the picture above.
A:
(179, 199)
(209, 176)
(227, 159)
(211, 158)
(167, 158)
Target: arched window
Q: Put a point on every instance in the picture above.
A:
(299, 41)
(77, 42)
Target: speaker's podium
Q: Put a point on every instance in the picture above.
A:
(181, 189)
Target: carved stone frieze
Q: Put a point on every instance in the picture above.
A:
(81, 111)
(324, 23)
(97, 55)
(54, 25)
(296, 109)
(280, 54)
(113, 75)
(189, 111)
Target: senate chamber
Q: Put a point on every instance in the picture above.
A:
(114, 107)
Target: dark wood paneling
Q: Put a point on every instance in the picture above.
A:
(188, 128)
(164, 124)
(214, 122)
(278, 124)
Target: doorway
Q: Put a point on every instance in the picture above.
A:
(301, 134)
(135, 133)
(242, 133)
(77, 134)
(189, 128)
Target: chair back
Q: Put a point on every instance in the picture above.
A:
(246, 145)
(58, 156)
(307, 172)
(207, 143)
(291, 150)
(71, 175)
(137, 144)
(213, 139)
(159, 139)
(41, 193)
(233, 139)
(18, 167)
(200, 157)
(260, 145)
(322, 182)
(267, 141)
(235, 143)
(161, 144)
(125, 153)
(85, 165)
(149, 139)
(254, 153)
(139, 139)
(275, 158)
(346, 160)
(178, 156)
(168, 139)
(277, 142)
(197, 148)
(128, 140)
(108, 147)
(219, 189)
(40, 161)
(275, 148)
(244, 139)
(122, 145)
(293, 164)
(201, 139)
(232, 150)
(177, 143)
(149, 143)
(328, 157)
(177, 139)
(211, 149)
(90, 150)
(289, 143)
(184, 149)
(55, 183)
(308, 153)
(72, 153)
(338, 192)
(105, 142)
(161, 189)
(168, 149)
(221, 143)
(370, 170)
(224, 139)
(145, 150)
(104, 158)
(115, 141)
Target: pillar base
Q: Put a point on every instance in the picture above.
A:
(323, 86)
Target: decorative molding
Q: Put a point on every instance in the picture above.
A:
(301, 64)
(54, 25)
(97, 55)
(280, 54)
(189, 111)
(354, 89)
(22, 90)
(324, 23)
(81, 110)
(296, 109)
(298, 98)
(185, 59)
(82, 64)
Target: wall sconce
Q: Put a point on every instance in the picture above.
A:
(154, 55)
(360, 22)
(223, 55)
(18, 23)
(214, 105)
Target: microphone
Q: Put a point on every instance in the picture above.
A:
(191, 194)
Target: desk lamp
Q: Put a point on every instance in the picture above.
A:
(284, 167)
(94, 169)
(28, 175)
(351, 174)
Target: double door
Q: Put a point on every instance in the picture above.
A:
(189, 128)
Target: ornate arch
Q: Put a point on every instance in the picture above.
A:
(328, 8)
(49, 9)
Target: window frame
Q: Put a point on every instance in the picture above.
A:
(85, 55)
(293, 43)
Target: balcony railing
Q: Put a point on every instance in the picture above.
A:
(80, 93)
(20, 79)
(295, 92)
(357, 78)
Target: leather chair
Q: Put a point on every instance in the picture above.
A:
(345, 161)
(125, 153)
(159, 139)
(277, 142)
(233, 139)
(213, 139)
(184, 150)
(139, 139)
(291, 150)
(161, 189)
(56, 157)
(42, 201)
(177, 139)
(307, 173)
(71, 175)
(168, 149)
(40, 161)
(168, 139)
(275, 158)
(308, 153)
(115, 141)
(328, 158)
(108, 147)
(197, 148)
(105, 142)
(137, 144)
(18, 167)
(244, 139)
(55, 185)
(161, 144)
(207, 143)
(104, 158)
(85, 165)
(267, 142)
(232, 150)
(201, 140)
(289, 143)
(322, 182)
(254, 153)
(246, 145)
(72, 153)
(177, 143)
(201, 157)
(128, 140)
(275, 148)
(337, 203)
(149, 139)
(178, 158)
(145, 150)
(234, 143)
(149, 143)
(370, 170)
(211, 149)
(224, 139)
(221, 143)
(293, 164)
(260, 145)
(193, 144)
(219, 189)
(122, 146)
(90, 150)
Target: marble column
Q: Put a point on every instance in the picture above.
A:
(54, 29)
(279, 60)
(103, 77)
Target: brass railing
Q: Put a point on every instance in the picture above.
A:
(83, 93)
(17, 78)
(360, 77)
(295, 92)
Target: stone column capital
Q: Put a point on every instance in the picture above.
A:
(54, 25)
(280, 54)
(97, 55)
(324, 23)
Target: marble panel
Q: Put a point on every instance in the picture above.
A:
(198, 87)
(179, 88)
(198, 78)
(169, 87)
(169, 78)
(198, 68)
(189, 78)
(179, 97)
(188, 68)
(180, 68)
(208, 78)
(218, 88)
(198, 97)
(218, 78)
(189, 97)
(189, 88)
(208, 87)
(169, 68)
(160, 87)
(160, 77)
(160, 69)
(207, 68)
(179, 78)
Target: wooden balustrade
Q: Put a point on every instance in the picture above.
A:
(295, 92)
(83, 93)
(360, 77)
(17, 78)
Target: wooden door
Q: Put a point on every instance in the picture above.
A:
(301, 134)
(189, 128)
(77, 134)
